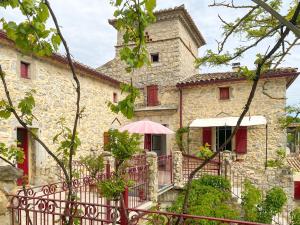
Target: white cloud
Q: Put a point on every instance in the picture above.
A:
(92, 39)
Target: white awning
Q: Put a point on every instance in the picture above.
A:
(229, 121)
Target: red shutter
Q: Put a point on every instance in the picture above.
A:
(207, 135)
(152, 95)
(105, 139)
(296, 190)
(241, 140)
(24, 70)
(147, 142)
(224, 93)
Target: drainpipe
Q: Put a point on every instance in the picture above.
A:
(180, 106)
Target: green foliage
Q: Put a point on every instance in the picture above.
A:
(123, 145)
(94, 164)
(63, 139)
(204, 152)
(251, 197)
(132, 18)
(26, 106)
(31, 35)
(255, 26)
(209, 196)
(292, 114)
(215, 181)
(112, 188)
(182, 145)
(12, 153)
(273, 204)
(126, 106)
(279, 161)
(257, 209)
(5, 110)
(156, 218)
(295, 217)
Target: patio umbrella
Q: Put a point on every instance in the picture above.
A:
(146, 127)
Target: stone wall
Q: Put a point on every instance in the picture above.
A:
(55, 98)
(203, 102)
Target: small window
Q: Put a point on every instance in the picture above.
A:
(115, 97)
(24, 70)
(224, 93)
(155, 57)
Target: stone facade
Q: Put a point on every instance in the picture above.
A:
(204, 102)
(173, 38)
(55, 98)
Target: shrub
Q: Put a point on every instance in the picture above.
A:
(215, 181)
(261, 210)
(209, 196)
(295, 217)
(273, 204)
(251, 197)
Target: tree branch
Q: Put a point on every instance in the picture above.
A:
(246, 108)
(280, 18)
(7, 161)
(76, 79)
(221, 45)
(35, 137)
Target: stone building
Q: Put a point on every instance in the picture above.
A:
(175, 94)
(55, 98)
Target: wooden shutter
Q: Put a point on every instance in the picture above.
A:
(147, 142)
(241, 140)
(105, 139)
(207, 135)
(297, 190)
(24, 70)
(224, 93)
(152, 95)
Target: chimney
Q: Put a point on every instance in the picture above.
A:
(236, 66)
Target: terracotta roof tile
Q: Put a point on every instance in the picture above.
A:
(205, 78)
(63, 60)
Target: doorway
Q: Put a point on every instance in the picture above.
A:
(222, 133)
(159, 144)
(23, 142)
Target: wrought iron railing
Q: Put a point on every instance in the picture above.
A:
(190, 163)
(165, 170)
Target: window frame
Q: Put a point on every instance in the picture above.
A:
(221, 89)
(27, 66)
(152, 55)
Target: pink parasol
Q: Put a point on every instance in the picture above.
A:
(146, 127)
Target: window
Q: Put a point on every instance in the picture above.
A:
(115, 97)
(24, 70)
(224, 93)
(155, 57)
(152, 95)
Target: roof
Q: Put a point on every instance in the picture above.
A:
(57, 58)
(210, 78)
(181, 13)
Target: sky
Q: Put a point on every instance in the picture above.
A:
(91, 39)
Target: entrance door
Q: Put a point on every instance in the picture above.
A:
(22, 138)
(159, 144)
(221, 136)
